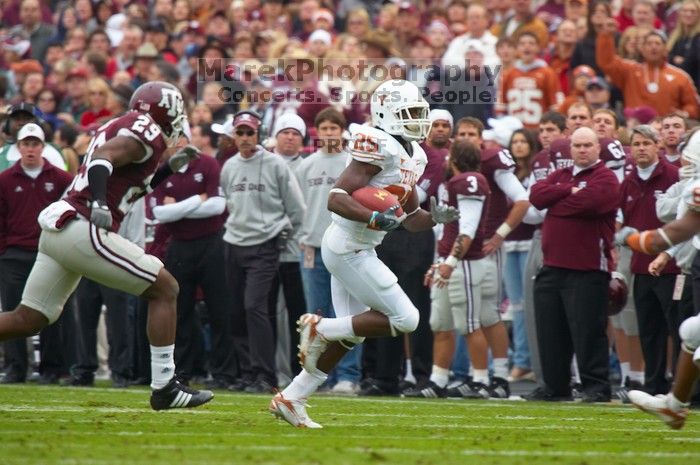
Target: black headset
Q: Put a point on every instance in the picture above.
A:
(22, 107)
(262, 130)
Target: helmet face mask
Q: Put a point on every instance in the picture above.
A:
(399, 109)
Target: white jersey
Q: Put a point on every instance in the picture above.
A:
(399, 174)
(691, 201)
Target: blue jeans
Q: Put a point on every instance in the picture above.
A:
(317, 291)
(513, 275)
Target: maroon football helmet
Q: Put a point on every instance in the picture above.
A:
(617, 293)
(164, 102)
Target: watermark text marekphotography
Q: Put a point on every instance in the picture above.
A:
(342, 81)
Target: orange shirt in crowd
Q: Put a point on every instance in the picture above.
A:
(673, 88)
(528, 91)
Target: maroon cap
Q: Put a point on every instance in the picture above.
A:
(408, 7)
(643, 114)
(246, 119)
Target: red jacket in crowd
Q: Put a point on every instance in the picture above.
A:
(578, 229)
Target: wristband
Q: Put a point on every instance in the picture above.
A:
(451, 261)
(372, 218)
(503, 230)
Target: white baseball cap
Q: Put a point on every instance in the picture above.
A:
(225, 129)
(323, 36)
(289, 121)
(31, 130)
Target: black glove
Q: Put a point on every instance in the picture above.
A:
(100, 215)
(386, 220)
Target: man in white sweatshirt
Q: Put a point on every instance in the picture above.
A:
(264, 204)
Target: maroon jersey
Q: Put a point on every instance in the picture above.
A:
(201, 177)
(674, 160)
(578, 229)
(434, 172)
(22, 198)
(129, 182)
(472, 185)
(493, 160)
(638, 204)
(611, 153)
(542, 165)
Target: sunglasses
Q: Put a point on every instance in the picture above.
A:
(245, 133)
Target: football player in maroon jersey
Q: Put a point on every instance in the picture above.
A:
(79, 233)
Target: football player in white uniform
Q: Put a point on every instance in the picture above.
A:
(672, 408)
(367, 299)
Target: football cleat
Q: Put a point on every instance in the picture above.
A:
(658, 405)
(291, 411)
(469, 390)
(430, 391)
(311, 343)
(499, 388)
(176, 395)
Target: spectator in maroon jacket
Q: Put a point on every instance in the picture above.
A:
(190, 207)
(571, 290)
(26, 189)
(652, 294)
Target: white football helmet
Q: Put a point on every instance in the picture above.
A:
(398, 108)
(690, 154)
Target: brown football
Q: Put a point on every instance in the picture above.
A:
(377, 199)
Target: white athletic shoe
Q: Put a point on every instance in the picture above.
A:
(311, 343)
(345, 388)
(658, 405)
(292, 411)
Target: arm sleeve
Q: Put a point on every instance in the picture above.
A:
(609, 62)
(534, 216)
(689, 98)
(213, 206)
(178, 210)
(470, 208)
(667, 203)
(293, 200)
(510, 185)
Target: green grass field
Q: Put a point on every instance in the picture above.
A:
(52, 425)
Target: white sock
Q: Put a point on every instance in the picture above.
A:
(624, 370)
(500, 368)
(637, 376)
(675, 404)
(304, 384)
(335, 329)
(481, 376)
(162, 365)
(440, 376)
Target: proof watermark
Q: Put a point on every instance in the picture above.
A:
(349, 81)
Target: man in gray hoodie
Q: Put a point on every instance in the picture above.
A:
(265, 203)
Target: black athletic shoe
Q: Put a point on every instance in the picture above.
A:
(499, 388)
(78, 381)
(429, 391)
(544, 395)
(176, 395)
(469, 390)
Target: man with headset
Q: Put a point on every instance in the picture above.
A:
(264, 202)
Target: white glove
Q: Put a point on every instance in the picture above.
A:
(100, 215)
(442, 213)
